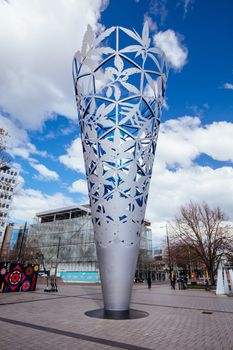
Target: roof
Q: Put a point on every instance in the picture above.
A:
(64, 209)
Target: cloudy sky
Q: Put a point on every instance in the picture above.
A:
(194, 158)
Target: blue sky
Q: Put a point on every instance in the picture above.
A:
(37, 106)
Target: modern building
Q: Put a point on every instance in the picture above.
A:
(65, 239)
(8, 181)
(12, 243)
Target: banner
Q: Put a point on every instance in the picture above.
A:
(15, 277)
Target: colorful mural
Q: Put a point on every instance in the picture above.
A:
(15, 277)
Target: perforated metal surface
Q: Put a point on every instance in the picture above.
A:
(120, 93)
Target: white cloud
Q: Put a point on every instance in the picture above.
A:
(152, 24)
(37, 42)
(79, 186)
(180, 142)
(171, 44)
(73, 159)
(45, 173)
(187, 5)
(18, 142)
(28, 202)
(169, 190)
(184, 139)
(228, 86)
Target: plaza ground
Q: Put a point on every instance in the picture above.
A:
(180, 319)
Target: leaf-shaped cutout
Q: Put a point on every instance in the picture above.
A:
(155, 60)
(156, 50)
(109, 108)
(130, 71)
(130, 87)
(145, 31)
(139, 52)
(110, 72)
(109, 92)
(90, 35)
(118, 62)
(78, 56)
(117, 93)
(145, 35)
(131, 34)
(92, 107)
(151, 82)
(88, 39)
(100, 110)
(160, 86)
(104, 35)
(103, 50)
(131, 48)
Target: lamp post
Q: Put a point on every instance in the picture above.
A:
(169, 255)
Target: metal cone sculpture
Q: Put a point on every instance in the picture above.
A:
(119, 93)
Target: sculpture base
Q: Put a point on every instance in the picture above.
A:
(130, 314)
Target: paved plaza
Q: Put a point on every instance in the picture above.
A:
(180, 319)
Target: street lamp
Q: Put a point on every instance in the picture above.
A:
(169, 252)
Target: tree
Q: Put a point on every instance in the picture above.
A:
(202, 230)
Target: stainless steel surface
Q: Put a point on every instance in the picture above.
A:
(120, 93)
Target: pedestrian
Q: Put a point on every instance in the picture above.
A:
(206, 284)
(149, 281)
(185, 282)
(173, 281)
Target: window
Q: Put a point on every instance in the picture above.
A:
(12, 173)
(7, 206)
(15, 174)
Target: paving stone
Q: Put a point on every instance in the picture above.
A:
(175, 320)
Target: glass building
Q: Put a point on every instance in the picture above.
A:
(65, 239)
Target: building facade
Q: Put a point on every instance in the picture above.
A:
(8, 181)
(12, 243)
(65, 239)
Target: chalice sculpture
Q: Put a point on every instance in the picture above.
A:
(119, 80)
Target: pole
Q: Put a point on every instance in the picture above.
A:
(169, 255)
(21, 243)
(58, 250)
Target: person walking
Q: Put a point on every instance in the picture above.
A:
(173, 281)
(206, 284)
(149, 281)
(185, 282)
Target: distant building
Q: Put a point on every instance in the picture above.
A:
(65, 236)
(12, 242)
(8, 181)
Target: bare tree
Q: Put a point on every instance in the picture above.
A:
(202, 230)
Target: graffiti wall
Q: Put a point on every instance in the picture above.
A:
(15, 277)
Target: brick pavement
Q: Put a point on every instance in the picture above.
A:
(38, 320)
